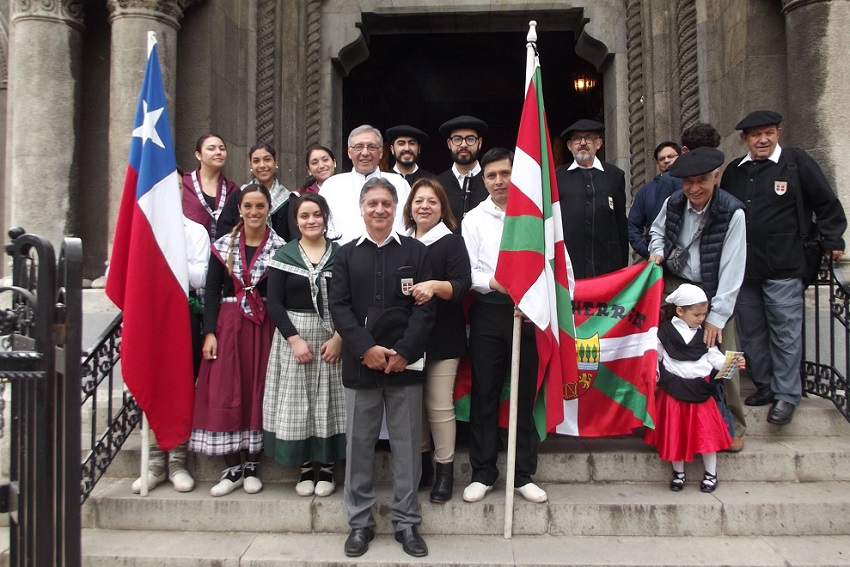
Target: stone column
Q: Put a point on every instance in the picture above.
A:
(130, 21)
(818, 89)
(44, 98)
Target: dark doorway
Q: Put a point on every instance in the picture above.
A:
(424, 79)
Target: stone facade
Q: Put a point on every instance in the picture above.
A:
(274, 70)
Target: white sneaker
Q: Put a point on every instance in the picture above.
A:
(251, 482)
(476, 491)
(181, 480)
(532, 493)
(325, 488)
(231, 479)
(305, 488)
(153, 480)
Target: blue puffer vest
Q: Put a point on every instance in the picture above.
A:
(720, 211)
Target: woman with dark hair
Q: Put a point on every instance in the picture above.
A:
(428, 218)
(262, 159)
(206, 189)
(321, 164)
(304, 406)
(229, 393)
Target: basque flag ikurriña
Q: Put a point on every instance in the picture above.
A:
(533, 262)
(148, 271)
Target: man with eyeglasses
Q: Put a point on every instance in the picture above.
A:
(593, 204)
(405, 146)
(647, 202)
(463, 182)
(365, 148)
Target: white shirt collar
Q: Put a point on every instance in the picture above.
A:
(684, 330)
(595, 165)
(415, 169)
(691, 208)
(459, 176)
(393, 236)
(364, 178)
(774, 157)
(437, 231)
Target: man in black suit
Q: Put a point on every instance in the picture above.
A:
(463, 182)
(593, 204)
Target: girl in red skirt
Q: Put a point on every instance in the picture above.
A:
(688, 419)
(228, 418)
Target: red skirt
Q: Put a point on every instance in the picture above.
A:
(229, 394)
(684, 429)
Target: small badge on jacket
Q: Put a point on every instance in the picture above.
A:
(611, 203)
(780, 187)
(406, 285)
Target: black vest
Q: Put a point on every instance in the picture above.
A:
(720, 211)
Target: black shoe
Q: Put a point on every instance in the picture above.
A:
(781, 412)
(762, 397)
(427, 478)
(411, 542)
(442, 491)
(358, 541)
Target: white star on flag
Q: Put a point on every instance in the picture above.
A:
(147, 131)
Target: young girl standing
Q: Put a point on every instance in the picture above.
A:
(688, 419)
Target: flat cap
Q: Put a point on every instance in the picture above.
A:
(696, 162)
(759, 118)
(406, 130)
(463, 121)
(584, 125)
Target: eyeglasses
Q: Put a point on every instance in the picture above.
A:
(360, 147)
(458, 140)
(579, 139)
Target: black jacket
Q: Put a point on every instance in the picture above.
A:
(449, 262)
(769, 192)
(476, 192)
(593, 211)
(366, 281)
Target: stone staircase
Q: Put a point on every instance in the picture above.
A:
(784, 500)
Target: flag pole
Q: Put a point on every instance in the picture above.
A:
(531, 38)
(146, 454)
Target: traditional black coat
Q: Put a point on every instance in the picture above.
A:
(593, 211)
(449, 262)
(460, 203)
(368, 280)
(412, 178)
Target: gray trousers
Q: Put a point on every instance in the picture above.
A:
(770, 323)
(364, 414)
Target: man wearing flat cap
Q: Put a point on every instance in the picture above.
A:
(698, 237)
(593, 204)
(405, 146)
(781, 188)
(463, 182)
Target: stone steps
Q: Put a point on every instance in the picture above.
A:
(108, 548)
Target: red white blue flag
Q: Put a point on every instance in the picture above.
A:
(148, 272)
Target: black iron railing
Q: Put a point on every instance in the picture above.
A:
(826, 337)
(113, 412)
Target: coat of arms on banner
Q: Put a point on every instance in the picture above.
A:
(587, 351)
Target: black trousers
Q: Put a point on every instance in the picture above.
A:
(491, 327)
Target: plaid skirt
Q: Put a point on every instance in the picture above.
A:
(229, 392)
(304, 404)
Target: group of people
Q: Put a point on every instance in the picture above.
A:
(329, 309)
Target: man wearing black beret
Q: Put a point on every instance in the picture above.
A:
(781, 188)
(593, 204)
(405, 146)
(463, 182)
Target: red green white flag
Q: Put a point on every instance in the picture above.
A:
(616, 317)
(533, 262)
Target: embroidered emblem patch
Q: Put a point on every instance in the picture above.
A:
(406, 285)
(611, 203)
(780, 187)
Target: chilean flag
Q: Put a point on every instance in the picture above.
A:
(148, 272)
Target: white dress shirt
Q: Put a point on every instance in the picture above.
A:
(197, 252)
(482, 232)
(712, 360)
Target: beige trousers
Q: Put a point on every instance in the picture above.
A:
(438, 409)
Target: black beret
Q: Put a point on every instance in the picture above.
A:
(696, 162)
(463, 121)
(584, 125)
(759, 118)
(406, 130)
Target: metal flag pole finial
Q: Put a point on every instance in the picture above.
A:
(532, 31)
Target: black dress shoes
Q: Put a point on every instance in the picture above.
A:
(358, 541)
(411, 542)
(761, 397)
(781, 412)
